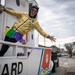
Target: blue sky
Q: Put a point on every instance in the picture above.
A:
(57, 18)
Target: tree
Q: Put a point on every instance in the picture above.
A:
(69, 48)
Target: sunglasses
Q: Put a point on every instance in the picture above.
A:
(34, 10)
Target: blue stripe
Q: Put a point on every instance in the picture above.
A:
(38, 48)
(40, 62)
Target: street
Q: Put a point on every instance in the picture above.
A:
(66, 66)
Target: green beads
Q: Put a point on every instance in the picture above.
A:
(31, 22)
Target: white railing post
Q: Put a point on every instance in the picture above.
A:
(25, 52)
(15, 50)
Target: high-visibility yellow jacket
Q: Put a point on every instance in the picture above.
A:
(25, 27)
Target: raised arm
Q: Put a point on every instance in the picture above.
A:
(43, 33)
(12, 12)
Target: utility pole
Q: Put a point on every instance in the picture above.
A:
(44, 41)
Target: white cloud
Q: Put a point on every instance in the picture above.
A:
(57, 17)
(47, 42)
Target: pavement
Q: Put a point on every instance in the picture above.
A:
(66, 67)
(71, 68)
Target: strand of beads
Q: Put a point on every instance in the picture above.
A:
(31, 22)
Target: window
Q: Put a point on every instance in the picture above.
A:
(32, 36)
(30, 5)
(18, 2)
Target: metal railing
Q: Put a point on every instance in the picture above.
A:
(18, 45)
